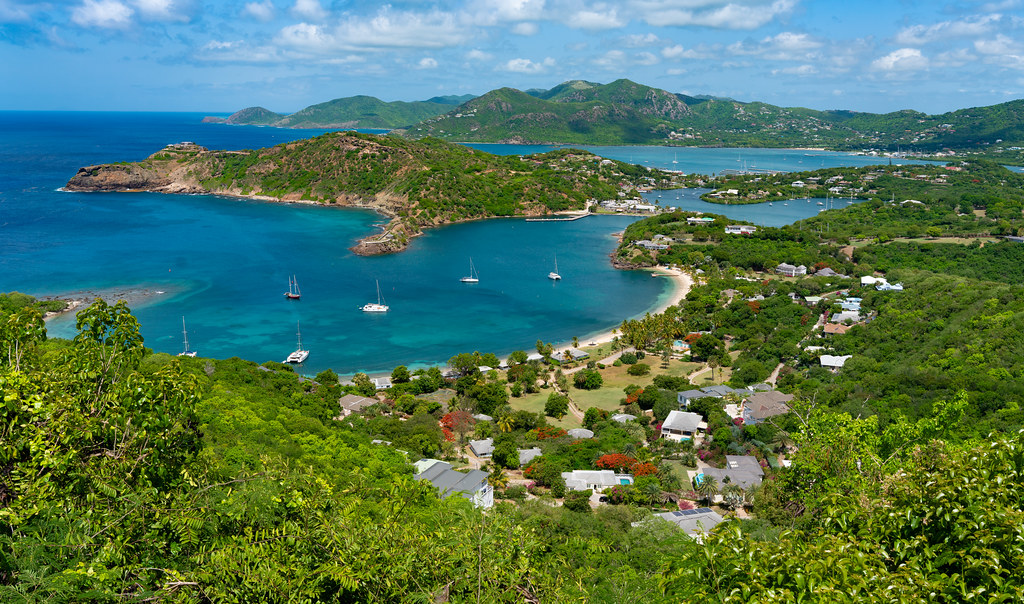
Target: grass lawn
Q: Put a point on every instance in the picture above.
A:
(534, 403)
(680, 471)
(617, 378)
(722, 375)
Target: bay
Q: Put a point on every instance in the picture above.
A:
(223, 264)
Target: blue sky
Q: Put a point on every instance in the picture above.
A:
(200, 55)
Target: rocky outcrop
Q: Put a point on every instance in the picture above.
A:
(117, 177)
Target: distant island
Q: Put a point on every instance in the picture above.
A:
(349, 112)
(418, 184)
(626, 113)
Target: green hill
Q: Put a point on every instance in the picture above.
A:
(349, 112)
(624, 112)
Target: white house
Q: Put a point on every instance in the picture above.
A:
(598, 480)
(834, 362)
(740, 229)
(472, 485)
(681, 425)
(482, 448)
(791, 271)
(694, 523)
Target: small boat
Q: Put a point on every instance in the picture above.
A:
(299, 355)
(473, 276)
(186, 352)
(293, 292)
(379, 306)
(553, 275)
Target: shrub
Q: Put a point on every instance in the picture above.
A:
(588, 379)
(628, 358)
(515, 492)
(578, 501)
(639, 369)
(617, 363)
(557, 405)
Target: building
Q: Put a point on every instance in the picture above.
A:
(693, 522)
(889, 287)
(622, 418)
(741, 470)
(527, 455)
(597, 480)
(699, 220)
(791, 271)
(740, 229)
(351, 403)
(762, 405)
(852, 316)
(471, 485)
(835, 363)
(580, 433)
(681, 425)
(381, 383)
(684, 397)
(571, 354)
(650, 245)
(482, 448)
(835, 329)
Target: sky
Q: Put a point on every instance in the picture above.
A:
(221, 56)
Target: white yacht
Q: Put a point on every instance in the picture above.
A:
(299, 355)
(186, 352)
(379, 306)
(553, 275)
(473, 276)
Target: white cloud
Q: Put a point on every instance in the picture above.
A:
(309, 9)
(427, 63)
(1000, 45)
(596, 20)
(786, 46)
(527, 66)
(525, 29)
(490, 12)
(645, 58)
(161, 10)
(954, 58)
(386, 29)
(902, 60)
(720, 14)
(678, 52)
(611, 60)
(102, 13)
(970, 27)
(479, 55)
(261, 11)
(639, 41)
(676, 71)
(798, 70)
(12, 12)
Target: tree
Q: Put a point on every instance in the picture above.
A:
(592, 416)
(327, 377)
(706, 487)
(364, 385)
(505, 453)
(400, 375)
(578, 501)
(517, 357)
(588, 379)
(639, 369)
(557, 405)
(705, 347)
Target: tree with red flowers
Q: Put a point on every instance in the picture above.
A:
(459, 422)
(645, 469)
(615, 461)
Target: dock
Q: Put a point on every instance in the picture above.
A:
(565, 219)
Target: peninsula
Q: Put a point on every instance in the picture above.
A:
(417, 184)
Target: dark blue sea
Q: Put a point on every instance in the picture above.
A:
(224, 264)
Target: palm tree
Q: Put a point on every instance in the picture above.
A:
(497, 478)
(733, 496)
(575, 342)
(651, 490)
(506, 422)
(707, 488)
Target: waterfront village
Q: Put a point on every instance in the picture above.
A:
(616, 422)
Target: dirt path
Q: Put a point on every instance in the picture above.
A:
(775, 374)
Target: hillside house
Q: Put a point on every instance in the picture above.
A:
(682, 425)
(471, 485)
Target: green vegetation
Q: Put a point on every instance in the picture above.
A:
(349, 112)
(624, 112)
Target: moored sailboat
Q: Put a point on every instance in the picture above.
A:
(299, 355)
(379, 306)
(553, 275)
(186, 352)
(473, 276)
(293, 292)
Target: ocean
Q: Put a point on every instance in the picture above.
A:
(223, 264)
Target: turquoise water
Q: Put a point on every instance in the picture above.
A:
(224, 264)
(775, 213)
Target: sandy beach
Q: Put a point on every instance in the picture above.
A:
(682, 283)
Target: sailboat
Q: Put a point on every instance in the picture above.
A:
(675, 158)
(186, 352)
(553, 275)
(473, 276)
(379, 306)
(299, 355)
(293, 292)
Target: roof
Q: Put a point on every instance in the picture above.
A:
(761, 405)
(580, 433)
(835, 329)
(741, 470)
(693, 522)
(527, 455)
(482, 447)
(583, 479)
(622, 417)
(448, 481)
(381, 382)
(683, 421)
(480, 417)
(847, 315)
(354, 403)
(828, 360)
(691, 394)
(720, 391)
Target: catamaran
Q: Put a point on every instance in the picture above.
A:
(293, 292)
(380, 306)
(473, 276)
(299, 355)
(553, 275)
(186, 352)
